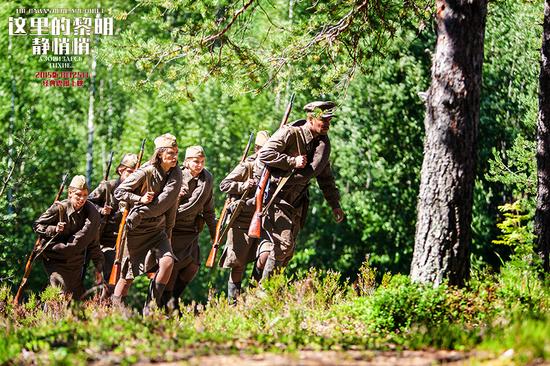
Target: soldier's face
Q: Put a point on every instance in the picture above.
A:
(320, 125)
(78, 197)
(169, 157)
(196, 165)
(125, 173)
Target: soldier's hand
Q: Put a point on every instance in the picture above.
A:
(250, 183)
(106, 210)
(338, 215)
(147, 198)
(300, 161)
(60, 227)
(99, 280)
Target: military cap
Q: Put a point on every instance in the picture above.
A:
(128, 161)
(78, 182)
(166, 140)
(261, 138)
(323, 109)
(194, 152)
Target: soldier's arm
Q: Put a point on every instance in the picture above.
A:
(234, 183)
(209, 214)
(98, 195)
(89, 231)
(328, 187)
(166, 199)
(273, 153)
(47, 222)
(125, 191)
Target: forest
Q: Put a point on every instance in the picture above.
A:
(440, 151)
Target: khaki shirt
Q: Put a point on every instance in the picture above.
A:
(234, 184)
(279, 153)
(160, 214)
(105, 192)
(196, 203)
(80, 233)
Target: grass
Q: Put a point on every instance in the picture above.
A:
(319, 311)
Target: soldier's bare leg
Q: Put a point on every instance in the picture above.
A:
(121, 290)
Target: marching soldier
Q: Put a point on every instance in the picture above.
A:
(240, 249)
(69, 228)
(196, 207)
(152, 191)
(299, 152)
(104, 199)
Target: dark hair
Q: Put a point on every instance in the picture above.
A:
(155, 158)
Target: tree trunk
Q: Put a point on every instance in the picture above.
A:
(443, 232)
(91, 128)
(542, 215)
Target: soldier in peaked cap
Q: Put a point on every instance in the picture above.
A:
(70, 226)
(240, 249)
(151, 191)
(299, 152)
(195, 208)
(111, 210)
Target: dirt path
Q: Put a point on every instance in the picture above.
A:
(325, 358)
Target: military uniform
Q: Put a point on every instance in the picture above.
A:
(149, 226)
(239, 248)
(196, 207)
(287, 214)
(108, 230)
(65, 255)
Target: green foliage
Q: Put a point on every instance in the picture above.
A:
(314, 312)
(516, 227)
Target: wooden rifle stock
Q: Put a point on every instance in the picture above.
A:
(216, 244)
(223, 217)
(32, 255)
(255, 227)
(119, 249)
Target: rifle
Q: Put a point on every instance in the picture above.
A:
(223, 217)
(105, 218)
(35, 250)
(117, 265)
(256, 224)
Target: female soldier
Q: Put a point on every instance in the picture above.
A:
(152, 191)
(239, 248)
(108, 206)
(70, 229)
(196, 206)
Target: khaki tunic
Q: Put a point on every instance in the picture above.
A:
(287, 214)
(109, 223)
(239, 248)
(149, 226)
(64, 256)
(196, 207)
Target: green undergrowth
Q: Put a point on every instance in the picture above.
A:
(318, 311)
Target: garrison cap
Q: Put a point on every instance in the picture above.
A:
(261, 138)
(194, 152)
(166, 140)
(128, 161)
(78, 182)
(321, 108)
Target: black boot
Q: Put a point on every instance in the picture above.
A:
(256, 275)
(154, 294)
(233, 292)
(270, 266)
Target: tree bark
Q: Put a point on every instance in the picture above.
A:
(91, 127)
(542, 214)
(443, 229)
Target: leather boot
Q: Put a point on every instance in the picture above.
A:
(270, 266)
(233, 292)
